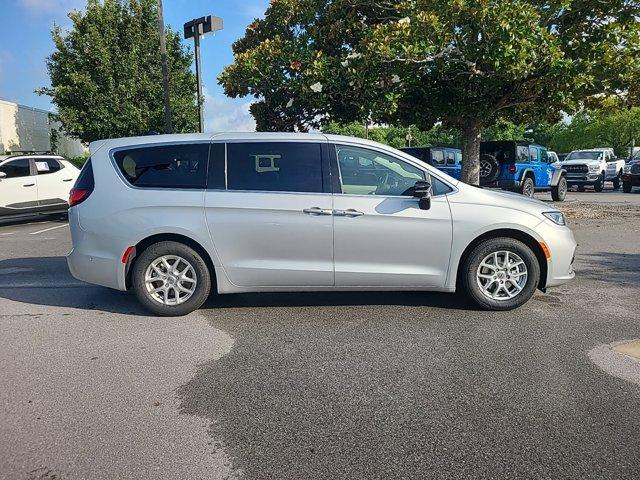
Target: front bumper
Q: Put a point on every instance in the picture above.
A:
(582, 178)
(634, 180)
(562, 246)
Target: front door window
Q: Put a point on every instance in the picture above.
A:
(369, 172)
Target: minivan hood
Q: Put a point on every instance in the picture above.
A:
(501, 198)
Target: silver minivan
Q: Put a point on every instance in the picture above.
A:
(175, 217)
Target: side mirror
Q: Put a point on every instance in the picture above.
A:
(422, 191)
(2, 175)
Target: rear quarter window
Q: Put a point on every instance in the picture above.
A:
(165, 166)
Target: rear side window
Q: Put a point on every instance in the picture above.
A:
(16, 168)
(438, 157)
(47, 165)
(85, 178)
(451, 159)
(274, 166)
(165, 166)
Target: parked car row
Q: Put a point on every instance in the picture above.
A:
(520, 167)
(527, 168)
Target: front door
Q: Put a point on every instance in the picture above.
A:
(272, 224)
(18, 188)
(381, 237)
(54, 183)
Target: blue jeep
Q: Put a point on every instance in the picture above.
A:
(447, 159)
(521, 167)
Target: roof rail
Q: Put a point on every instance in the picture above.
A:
(29, 152)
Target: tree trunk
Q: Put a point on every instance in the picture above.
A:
(471, 152)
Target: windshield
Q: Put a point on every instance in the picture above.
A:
(584, 155)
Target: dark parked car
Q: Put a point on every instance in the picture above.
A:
(631, 174)
(447, 159)
(521, 167)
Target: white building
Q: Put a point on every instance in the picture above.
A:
(29, 129)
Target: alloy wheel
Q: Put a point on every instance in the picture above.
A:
(502, 275)
(170, 280)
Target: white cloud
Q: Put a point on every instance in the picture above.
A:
(224, 114)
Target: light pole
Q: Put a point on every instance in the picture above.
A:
(168, 128)
(195, 29)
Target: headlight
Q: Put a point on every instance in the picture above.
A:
(627, 169)
(555, 217)
(594, 168)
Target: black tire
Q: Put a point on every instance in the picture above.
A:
(489, 169)
(581, 188)
(599, 185)
(479, 253)
(559, 192)
(626, 187)
(527, 187)
(617, 181)
(200, 269)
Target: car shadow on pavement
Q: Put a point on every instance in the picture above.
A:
(47, 281)
(616, 268)
(16, 222)
(336, 299)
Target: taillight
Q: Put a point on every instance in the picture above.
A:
(84, 185)
(512, 168)
(78, 195)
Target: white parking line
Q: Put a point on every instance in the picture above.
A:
(48, 229)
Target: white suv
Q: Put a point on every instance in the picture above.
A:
(174, 217)
(34, 184)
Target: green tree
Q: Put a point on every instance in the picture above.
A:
(418, 62)
(106, 78)
(618, 129)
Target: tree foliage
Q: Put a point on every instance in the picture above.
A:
(418, 62)
(396, 136)
(618, 129)
(106, 78)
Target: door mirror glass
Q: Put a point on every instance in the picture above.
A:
(422, 191)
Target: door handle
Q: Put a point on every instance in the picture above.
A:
(67, 179)
(348, 213)
(28, 185)
(317, 211)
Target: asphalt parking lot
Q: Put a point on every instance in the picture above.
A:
(344, 385)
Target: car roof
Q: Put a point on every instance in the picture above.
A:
(228, 137)
(592, 149)
(30, 155)
(522, 143)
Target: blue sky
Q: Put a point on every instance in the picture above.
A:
(26, 42)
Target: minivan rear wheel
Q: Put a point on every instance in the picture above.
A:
(501, 274)
(171, 279)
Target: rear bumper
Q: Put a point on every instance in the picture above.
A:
(509, 184)
(92, 259)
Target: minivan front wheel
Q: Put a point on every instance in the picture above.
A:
(501, 274)
(171, 279)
